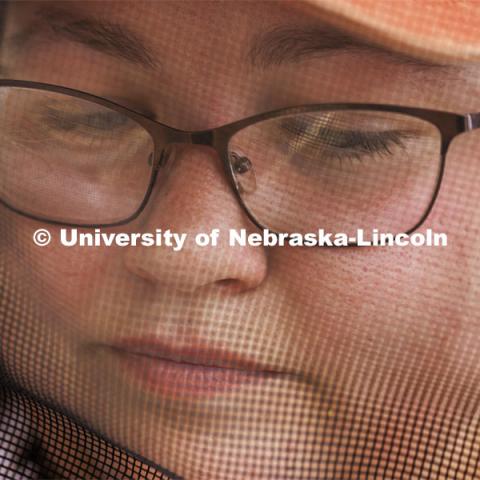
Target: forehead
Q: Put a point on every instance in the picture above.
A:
(159, 23)
(205, 44)
(234, 58)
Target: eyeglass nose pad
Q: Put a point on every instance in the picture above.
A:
(244, 172)
(167, 157)
(162, 167)
(165, 162)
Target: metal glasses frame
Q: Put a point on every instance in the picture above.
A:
(448, 124)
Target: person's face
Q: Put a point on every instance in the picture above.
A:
(348, 333)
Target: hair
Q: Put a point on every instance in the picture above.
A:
(3, 17)
(3, 13)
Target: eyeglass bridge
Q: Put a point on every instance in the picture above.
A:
(472, 121)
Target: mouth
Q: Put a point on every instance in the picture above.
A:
(195, 371)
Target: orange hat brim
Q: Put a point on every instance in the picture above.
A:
(437, 30)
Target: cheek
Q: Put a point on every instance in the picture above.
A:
(61, 279)
(360, 303)
(69, 276)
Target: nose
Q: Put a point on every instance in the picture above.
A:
(192, 195)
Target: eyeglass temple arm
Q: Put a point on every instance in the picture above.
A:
(472, 121)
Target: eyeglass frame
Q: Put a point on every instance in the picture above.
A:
(449, 125)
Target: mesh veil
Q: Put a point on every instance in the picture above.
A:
(382, 352)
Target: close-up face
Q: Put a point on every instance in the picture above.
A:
(229, 362)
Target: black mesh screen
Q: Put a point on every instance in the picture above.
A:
(230, 362)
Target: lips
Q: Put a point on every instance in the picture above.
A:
(194, 371)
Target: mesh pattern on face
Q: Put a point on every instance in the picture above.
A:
(268, 363)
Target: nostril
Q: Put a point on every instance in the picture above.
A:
(226, 282)
(230, 285)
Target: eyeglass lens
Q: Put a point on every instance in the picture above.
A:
(339, 170)
(67, 159)
(71, 160)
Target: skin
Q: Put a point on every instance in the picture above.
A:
(393, 329)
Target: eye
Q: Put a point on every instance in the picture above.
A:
(82, 126)
(104, 121)
(314, 140)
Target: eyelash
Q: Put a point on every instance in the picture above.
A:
(343, 145)
(363, 144)
(100, 122)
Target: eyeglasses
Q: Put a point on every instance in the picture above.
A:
(71, 158)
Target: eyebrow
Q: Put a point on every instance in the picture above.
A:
(280, 45)
(293, 43)
(109, 38)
